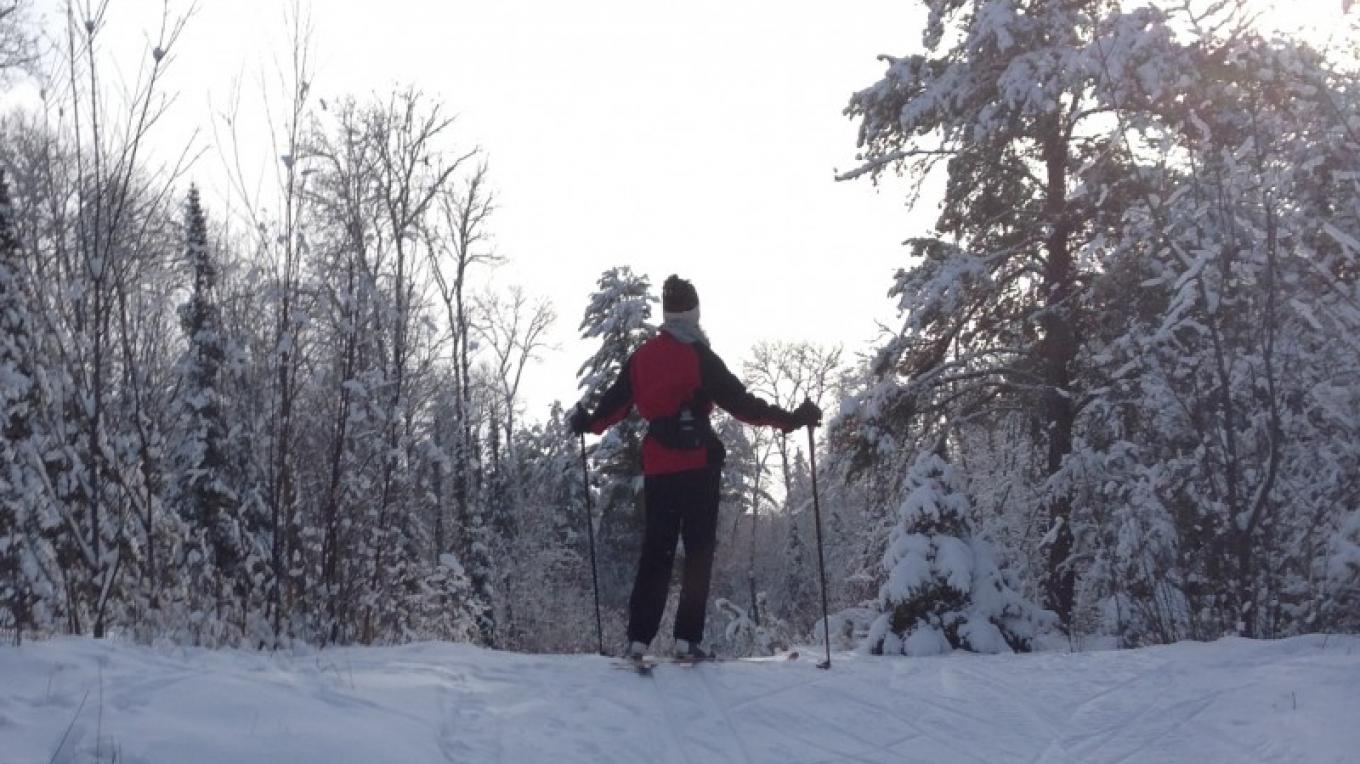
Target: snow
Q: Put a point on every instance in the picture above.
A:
(1235, 700)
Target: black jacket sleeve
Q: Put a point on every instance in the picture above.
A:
(728, 392)
(615, 402)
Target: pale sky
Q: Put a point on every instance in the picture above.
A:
(698, 138)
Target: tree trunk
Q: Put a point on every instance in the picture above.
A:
(1057, 349)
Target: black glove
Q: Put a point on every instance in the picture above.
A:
(578, 420)
(807, 414)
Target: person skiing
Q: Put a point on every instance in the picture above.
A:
(674, 379)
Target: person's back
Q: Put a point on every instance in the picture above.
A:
(674, 379)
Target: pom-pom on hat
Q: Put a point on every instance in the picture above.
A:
(678, 295)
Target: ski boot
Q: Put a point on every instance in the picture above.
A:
(690, 652)
(635, 655)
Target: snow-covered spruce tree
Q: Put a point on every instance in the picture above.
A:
(943, 589)
(36, 169)
(617, 316)
(1004, 98)
(26, 557)
(215, 552)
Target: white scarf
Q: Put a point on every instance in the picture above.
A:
(684, 326)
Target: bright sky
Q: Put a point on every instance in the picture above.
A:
(698, 138)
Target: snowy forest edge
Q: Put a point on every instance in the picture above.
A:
(1121, 401)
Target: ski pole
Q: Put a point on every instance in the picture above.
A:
(590, 534)
(821, 562)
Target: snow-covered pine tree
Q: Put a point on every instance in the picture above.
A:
(1214, 238)
(246, 378)
(26, 558)
(1002, 96)
(617, 316)
(943, 589)
(216, 550)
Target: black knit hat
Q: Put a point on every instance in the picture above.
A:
(678, 295)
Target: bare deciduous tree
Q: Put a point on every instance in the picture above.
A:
(514, 329)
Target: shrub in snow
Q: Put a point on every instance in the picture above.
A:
(944, 590)
(437, 603)
(743, 637)
(849, 628)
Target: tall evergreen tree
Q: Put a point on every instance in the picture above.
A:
(206, 499)
(617, 316)
(994, 305)
(1142, 250)
(24, 552)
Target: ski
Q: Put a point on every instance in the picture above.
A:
(644, 666)
(791, 655)
(783, 657)
(640, 666)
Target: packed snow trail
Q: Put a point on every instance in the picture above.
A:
(1294, 700)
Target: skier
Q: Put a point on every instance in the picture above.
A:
(674, 379)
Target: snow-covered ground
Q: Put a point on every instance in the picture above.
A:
(76, 700)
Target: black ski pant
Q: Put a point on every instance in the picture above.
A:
(678, 505)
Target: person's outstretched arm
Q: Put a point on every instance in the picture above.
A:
(613, 406)
(728, 391)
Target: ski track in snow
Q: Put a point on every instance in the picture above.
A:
(1295, 700)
